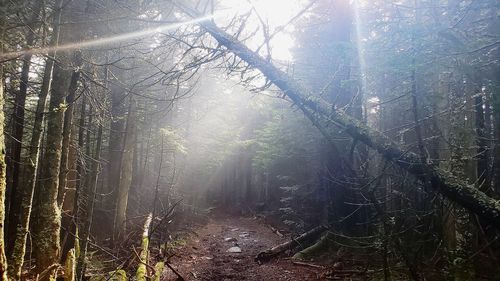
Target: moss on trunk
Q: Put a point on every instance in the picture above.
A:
(3, 259)
(46, 234)
(16, 257)
(70, 266)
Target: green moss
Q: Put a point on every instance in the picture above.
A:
(77, 243)
(175, 244)
(118, 275)
(159, 270)
(141, 272)
(69, 274)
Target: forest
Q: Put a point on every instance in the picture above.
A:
(158, 140)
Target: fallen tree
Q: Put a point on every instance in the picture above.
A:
(300, 240)
(317, 111)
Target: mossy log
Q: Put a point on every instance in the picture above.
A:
(300, 240)
(322, 114)
(144, 255)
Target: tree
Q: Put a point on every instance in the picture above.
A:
(16, 258)
(3, 259)
(46, 237)
(450, 187)
(126, 171)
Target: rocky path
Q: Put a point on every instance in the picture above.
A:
(225, 248)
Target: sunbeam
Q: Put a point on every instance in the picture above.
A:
(107, 40)
(360, 44)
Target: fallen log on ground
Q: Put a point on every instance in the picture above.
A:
(324, 244)
(451, 187)
(298, 241)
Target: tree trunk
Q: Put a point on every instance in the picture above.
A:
(115, 145)
(3, 259)
(89, 208)
(46, 235)
(68, 124)
(483, 176)
(125, 174)
(450, 187)
(16, 191)
(16, 258)
(70, 239)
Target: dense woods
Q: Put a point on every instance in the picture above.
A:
(362, 135)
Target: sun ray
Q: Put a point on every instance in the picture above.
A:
(107, 40)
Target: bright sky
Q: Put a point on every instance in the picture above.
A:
(276, 13)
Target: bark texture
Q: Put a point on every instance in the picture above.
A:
(89, 208)
(126, 173)
(18, 114)
(46, 237)
(16, 257)
(3, 259)
(68, 123)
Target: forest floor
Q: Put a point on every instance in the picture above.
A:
(205, 255)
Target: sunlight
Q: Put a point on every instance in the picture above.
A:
(360, 43)
(276, 14)
(108, 40)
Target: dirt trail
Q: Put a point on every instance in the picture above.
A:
(206, 256)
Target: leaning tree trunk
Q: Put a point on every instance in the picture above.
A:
(16, 257)
(46, 235)
(447, 185)
(3, 259)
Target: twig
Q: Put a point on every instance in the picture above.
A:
(308, 264)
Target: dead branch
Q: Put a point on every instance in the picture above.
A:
(179, 276)
(308, 264)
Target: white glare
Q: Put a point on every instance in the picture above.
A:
(275, 14)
